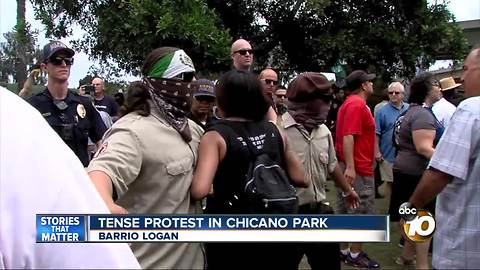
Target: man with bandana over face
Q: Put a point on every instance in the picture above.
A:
(145, 165)
(309, 99)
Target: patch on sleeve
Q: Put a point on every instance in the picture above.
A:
(100, 150)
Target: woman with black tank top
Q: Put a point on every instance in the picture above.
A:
(223, 163)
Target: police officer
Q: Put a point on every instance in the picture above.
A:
(72, 116)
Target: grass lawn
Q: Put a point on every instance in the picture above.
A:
(383, 253)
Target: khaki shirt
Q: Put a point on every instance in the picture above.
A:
(317, 153)
(151, 168)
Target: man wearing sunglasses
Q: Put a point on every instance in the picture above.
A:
(384, 124)
(242, 55)
(72, 116)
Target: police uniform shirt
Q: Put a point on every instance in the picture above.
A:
(75, 120)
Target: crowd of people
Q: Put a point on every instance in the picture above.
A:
(177, 144)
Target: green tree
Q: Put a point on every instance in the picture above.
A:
(390, 37)
(16, 55)
(125, 31)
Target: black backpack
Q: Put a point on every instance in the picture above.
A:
(396, 131)
(267, 188)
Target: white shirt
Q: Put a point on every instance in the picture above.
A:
(443, 110)
(457, 235)
(39, 174)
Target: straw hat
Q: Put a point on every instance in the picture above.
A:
(448, 83)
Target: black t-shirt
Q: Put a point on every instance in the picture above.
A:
(107, 104)
(75, 120)
(231, 172)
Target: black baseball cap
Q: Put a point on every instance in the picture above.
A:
(357, 77)
(54, 47)
(205, 88)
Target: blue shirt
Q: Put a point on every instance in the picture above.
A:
(384, 122)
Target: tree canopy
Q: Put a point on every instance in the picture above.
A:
(390, 37)
(126, 31)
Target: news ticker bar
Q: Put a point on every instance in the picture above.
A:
(211, 228)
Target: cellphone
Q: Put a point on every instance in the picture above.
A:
(89, 89)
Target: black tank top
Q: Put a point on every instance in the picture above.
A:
(229, 179)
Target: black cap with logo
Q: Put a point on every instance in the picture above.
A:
(54, 47)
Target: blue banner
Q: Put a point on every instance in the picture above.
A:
(61, 228)
(238, 222)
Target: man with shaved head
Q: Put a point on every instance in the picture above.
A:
(242, 54)
(269, 80)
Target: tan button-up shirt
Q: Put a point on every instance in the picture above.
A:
(151, 168)
(317, 153)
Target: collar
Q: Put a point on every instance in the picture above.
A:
(288, 121)
(70, 95)
(393, 105)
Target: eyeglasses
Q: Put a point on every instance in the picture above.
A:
(270, 82)
(185, 76)
(395, 93)
(244, 51)
(281, 96)
(57, 61)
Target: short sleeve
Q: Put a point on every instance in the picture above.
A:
(353, 120)
(119, 157)
(423, 119)
(378, 121)
(452, 154)
(97, 127)
(332, 157)
(114, 107)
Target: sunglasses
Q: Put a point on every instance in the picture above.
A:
(281, 96)
(395, 93)
(57, 61)
(185, 76)
(270, 82)
(244, 51)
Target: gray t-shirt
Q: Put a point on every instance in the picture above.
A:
(408, 161)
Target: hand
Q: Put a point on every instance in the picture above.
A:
(81, 90)
(35, 73)
(350, 175)
(211, 190)
(379, 157)
(117, 209)
(352, 199)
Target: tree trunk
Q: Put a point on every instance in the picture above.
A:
(21, 65)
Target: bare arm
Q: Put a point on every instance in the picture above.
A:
(432, 183)
(27, 86)
(378, 153)
(295, 168)
(348, 146)
(271, 115)
(211, 151)
(103, 184)
(423, 141)
(350, 195)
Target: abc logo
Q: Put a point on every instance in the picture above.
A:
(419, 224)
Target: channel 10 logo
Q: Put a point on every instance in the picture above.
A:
(419, 225)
